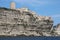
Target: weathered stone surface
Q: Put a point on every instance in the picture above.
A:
(57, 30)
(24, 22)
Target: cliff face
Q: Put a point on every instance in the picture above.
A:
(57, 30)
(24, 22)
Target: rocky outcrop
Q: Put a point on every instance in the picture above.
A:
(24, 22)
(57, 30)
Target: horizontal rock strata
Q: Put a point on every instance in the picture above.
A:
(22, 21)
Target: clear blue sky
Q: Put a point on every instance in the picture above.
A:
(41, 7)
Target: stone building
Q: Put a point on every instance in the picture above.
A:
(12, 5)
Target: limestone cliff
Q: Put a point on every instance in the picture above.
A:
(23, 21)
(57, 30)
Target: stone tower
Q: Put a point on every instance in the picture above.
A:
(12, 5)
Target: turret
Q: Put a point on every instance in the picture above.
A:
(12, 5)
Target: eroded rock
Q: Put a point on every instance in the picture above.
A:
(23, 21)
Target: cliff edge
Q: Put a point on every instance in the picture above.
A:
(23, 21)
